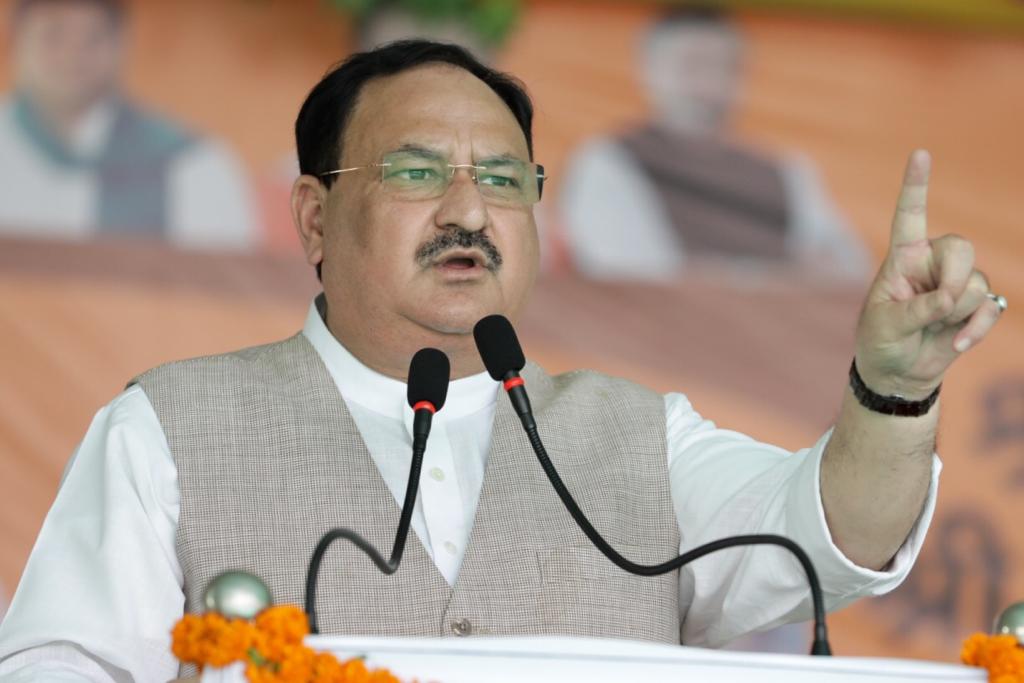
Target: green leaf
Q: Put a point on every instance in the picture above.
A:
(491, 20)
(494, 19)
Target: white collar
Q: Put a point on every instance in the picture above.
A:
(384, 395)
(93, 129)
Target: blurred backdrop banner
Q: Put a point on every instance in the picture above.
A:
(722, 181)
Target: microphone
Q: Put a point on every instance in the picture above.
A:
(427, 390)
(503, 357)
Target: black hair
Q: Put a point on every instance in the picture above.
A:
(115, 9)
(320, 126)
(705, 16)
(701, 17)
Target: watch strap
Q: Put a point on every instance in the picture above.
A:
(889, 405)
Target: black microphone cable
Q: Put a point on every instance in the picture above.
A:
(427, 390)
(503, 356)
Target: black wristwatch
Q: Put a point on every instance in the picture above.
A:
(889, 405)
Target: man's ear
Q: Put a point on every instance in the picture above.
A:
(309, 198)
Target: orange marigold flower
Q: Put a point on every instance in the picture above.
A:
(272, 649)
(233, 643)
(971, 647)
(327, 668)
(256, 673)
(999, 654)
(382, 676)
(297, 666)
(210, 639)
(354, 671)
(186, 637)
(286, 622)
(280, 630)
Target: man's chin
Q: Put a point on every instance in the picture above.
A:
(458, 325)
(453, 320)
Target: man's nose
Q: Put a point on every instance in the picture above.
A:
(462, 204)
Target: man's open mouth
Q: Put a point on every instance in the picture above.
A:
(458, 251)
(461, 260)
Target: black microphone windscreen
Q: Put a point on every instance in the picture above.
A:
(428, 377)
(498, 345)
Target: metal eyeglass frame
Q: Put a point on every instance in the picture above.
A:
(473, 169)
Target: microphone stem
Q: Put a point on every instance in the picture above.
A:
(421, 429)
(419, 447)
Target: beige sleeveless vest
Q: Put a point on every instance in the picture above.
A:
(269, 458)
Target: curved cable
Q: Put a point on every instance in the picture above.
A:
(820, 645)
(389, 566)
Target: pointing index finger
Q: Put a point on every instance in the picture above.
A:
(910, 224)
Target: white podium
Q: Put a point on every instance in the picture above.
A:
(557, 659)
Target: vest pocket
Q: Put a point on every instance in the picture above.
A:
(583, 593)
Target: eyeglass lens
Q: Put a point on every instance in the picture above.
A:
(410, 175)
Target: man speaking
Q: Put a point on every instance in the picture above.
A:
(415, 204)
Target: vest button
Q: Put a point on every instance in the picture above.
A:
(462, 627)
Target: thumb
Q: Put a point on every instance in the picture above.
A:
(922, 310)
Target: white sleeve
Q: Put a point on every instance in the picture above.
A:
(615, 222)
(724, 484)
(210, 202)
(103, 586)
(58, 663)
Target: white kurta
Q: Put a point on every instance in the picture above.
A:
(210, 204)
(103, 586)
(618, 227)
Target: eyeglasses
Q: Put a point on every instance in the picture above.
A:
(413, 175)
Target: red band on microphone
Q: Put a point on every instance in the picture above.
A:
(424, 405)
(514, 382)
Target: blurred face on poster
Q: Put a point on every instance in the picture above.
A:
(399, 264)
(386, 23)
(66, 54)
(692, 72)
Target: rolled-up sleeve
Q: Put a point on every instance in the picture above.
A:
(725, 483)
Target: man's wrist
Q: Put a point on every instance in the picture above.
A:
(895, 404)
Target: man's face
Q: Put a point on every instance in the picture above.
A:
(693, 74)
(66, 53)
(438, 264)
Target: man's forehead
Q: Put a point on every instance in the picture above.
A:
(696, 38)
(435, 106)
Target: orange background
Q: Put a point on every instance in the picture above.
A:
(76, 321)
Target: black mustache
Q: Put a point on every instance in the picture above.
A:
(462, 239)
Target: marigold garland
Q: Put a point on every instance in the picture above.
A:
(271, 647)
(1000, 654)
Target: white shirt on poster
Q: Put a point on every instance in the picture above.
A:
(209, 201)
(103, 585)
(618, 228)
